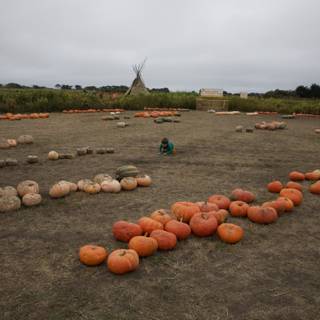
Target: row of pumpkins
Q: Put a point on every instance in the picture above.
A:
(156, 114)
(11, 143)
(162, 229)
(92, 110)
(273, 125)
(127, 178)
(21, 116)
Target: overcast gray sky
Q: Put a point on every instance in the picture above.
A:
(251, 45)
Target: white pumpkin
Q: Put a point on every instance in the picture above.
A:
(27, 186)
(8, 191)
(99, 178)
(9, 203)
(81, 183)
(53, 155)
(31, 199)
(112, 186)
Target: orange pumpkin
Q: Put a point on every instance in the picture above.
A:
(296, 176)
(184, 210)
(166, 240)
(279, 205)
(122, 261)
(92, 255)
(315, 188)
(287, 202)
(207, 206)
(59, 190)
(221, 201)
(275, 186)
(144, 246)
(203, 224)
(242, 195)
(238, 208)
(128, 183)
(124, 231)
(161, 215)
(148, 225)
(262, 215)
(221, 215)
(314, 175)
(144, 181)
(230, 233)
(92, 188)
(294, 185)
(293, 194)
(180, 229)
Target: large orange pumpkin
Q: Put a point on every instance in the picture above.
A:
(238, 208)
(294, 185)
(184, 210)
(203, 224)
(287, 202)
(279, 205)
(263, 215)
(180, 229)
(207, 206)
(124, 231)
(161, 215)
(314, 175)
(293, 194)
(221, 201)
(148, 225)
(315, 188)
(122, 261)
(144, 246)
(230, 233)
(296, 176)
(275, 186)
(92, 255)
(166, 240)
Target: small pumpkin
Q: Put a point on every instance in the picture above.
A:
(230, 233)
(27, 186)
(293, 194)
(8, 191)
(203, 224)
(221, 201)
(238, 208)
(315, 188)
(262, 215)
(275, 186)
(81, 183)
(207, 206)
(12, 142)
(59, 190)
(180, 229)
(53, 155)
(124, 231)
(161, 215)
(92, 255)
(144, 181)
(25, 139)
(294, 185)
(313, 176)
(242, 195)
(287, 203)
(4, 144)
(128, 183)
(144, 246)
(221, 215)
(112, 186)
(148, 225)
(92, 188)
(122, 261)
(9, 203)
(296, 176)
(101, 177)
(31, 199)
(184, 210)
(166, 240)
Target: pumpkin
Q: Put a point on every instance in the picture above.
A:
(180, 229)
(9, 203)
(294, 185)
(4, 144)
(92, 188)
(32, 159)
(12, 142)
(221, 201)
(59, 190)
(293, 194)
(230, 233)
(122, 261)
(92, 255)
(262, 215)
(287, 202)
(184, 210)
(27, 186)
(81, 183)
(124, 231)
(112, 186)
(148, 225)
(8, 191)
(31, 199)
(315, 188)
(166, 240)
(99, 178)
(126, 171)
(207, 206)
(72, 186)
(144, 246)
(242, 195)
(128, 183)
(238, 208)
(275, 186)
(144, 181)
(25, 139)
(53, 155)
(314, 175)
(221, 215)
(203, 224)
(161, 215)
(279, 205)
(296, 176)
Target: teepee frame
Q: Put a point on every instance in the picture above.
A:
(138, 86)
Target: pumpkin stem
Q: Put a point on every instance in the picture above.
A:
(181, 219)
(146, 234)
(123, 253)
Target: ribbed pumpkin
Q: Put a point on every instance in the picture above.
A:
(203, 224)
(294, 185)
(144, 180)
(238, 208)
(230, 233)
(161, 215)
(293, 194)
(53, 155)
(275, 186)
(180, 229)
(313, 176)
(112, 186)
(289, 205)
(72, 186)
(9, 203)
(8, 191)
(59, 190)
(242, 195)
(262, 215)
(184, 210)
(126, 171)
(221, 201)
(122, 261)
(207, 206)
(148, 225)
(128, 183)
(144, 246)
(166, 240)
(27, 186)
(81, 183)
(124, 231)
(92, 255)
(315, 188)
(92, 188)
(221, 215)
(279, 205)
(31, 199)
(99, 178)
(296, 176)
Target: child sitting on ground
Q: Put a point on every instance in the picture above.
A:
(166, 147)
